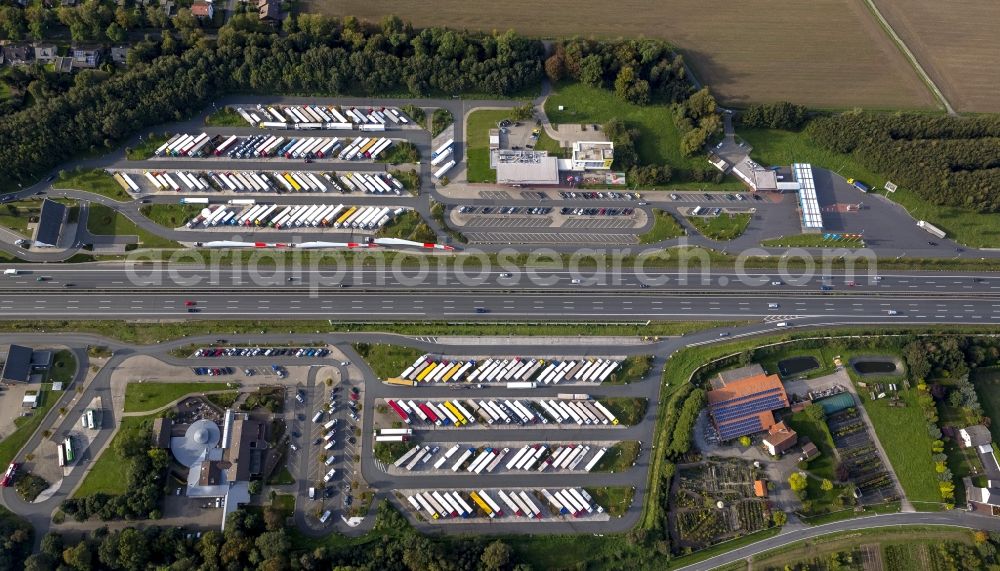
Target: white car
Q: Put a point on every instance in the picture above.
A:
(575, 281)
(772, 306)
(893, 312)
(329, 475)
(782, 324)
(776, 283)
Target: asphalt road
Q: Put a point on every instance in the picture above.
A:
(433, 274)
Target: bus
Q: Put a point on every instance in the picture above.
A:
(90, 419)
(8, 475)
(68, 443)
(61, 455)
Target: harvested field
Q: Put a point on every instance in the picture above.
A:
(827, 53)
(956, 43)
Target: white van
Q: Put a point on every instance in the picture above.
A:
(312, 493)
(10, 272)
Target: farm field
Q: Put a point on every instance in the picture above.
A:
(951, 40)
(734, 48)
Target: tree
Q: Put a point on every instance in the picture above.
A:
(826, 485)
(745, 441)
(555, 67)
(779, 518)
(115, 33)
(79, 557)
(522, 112)
(496, 556)
(256, 486)
(798, 482)
(815, 413)
(592, 71)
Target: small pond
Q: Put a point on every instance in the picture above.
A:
(797, 365)
(875, 367)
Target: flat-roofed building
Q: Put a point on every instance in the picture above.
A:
(525, 167)
(593, 155)
(744, 406)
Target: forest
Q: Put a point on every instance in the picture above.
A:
(173, 78)
(952, 161)
(640, 71)
(145, 479)
(257, 539)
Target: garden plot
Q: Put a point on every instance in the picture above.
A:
(696, 519)
(859, 460)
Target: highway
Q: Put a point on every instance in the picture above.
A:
(443, 273)
(492, 306)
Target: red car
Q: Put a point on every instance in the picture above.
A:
(188, 303)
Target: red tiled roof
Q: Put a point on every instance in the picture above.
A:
(745, 387)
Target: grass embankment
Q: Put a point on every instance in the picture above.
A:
(140, 397)
(905, 440)
(633, 368)
(812, 241)
(148, 333)
(614, 499)
(146, 148)
(416, 114)
(408, 226)
(95, 180)
(822, 467)
(16, 215)
(628, 410)
(27, 425)
(440, 215)
(403, 152)
(441, 120)
(105, 221)
(723, 227)
(619, 457)
(109, 473)
(665, 227)
(908, 547)
(387, 360)
(658, 141)
(226, 117)
(477, 136)
(63, 367)
(547, 143)
(170, 215)
(987, 383)
(410, 180)
(389, 452)
(776, 147)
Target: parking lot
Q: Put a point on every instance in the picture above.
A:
(601, 195)
(509, 222)
(550, 238)
(233, 182)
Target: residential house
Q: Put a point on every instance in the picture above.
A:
(779, 439)
(202, 9)
(269, 11)
(46, 53)
(977, 435)
(86, 57)
(119, 54)
(18, 54)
